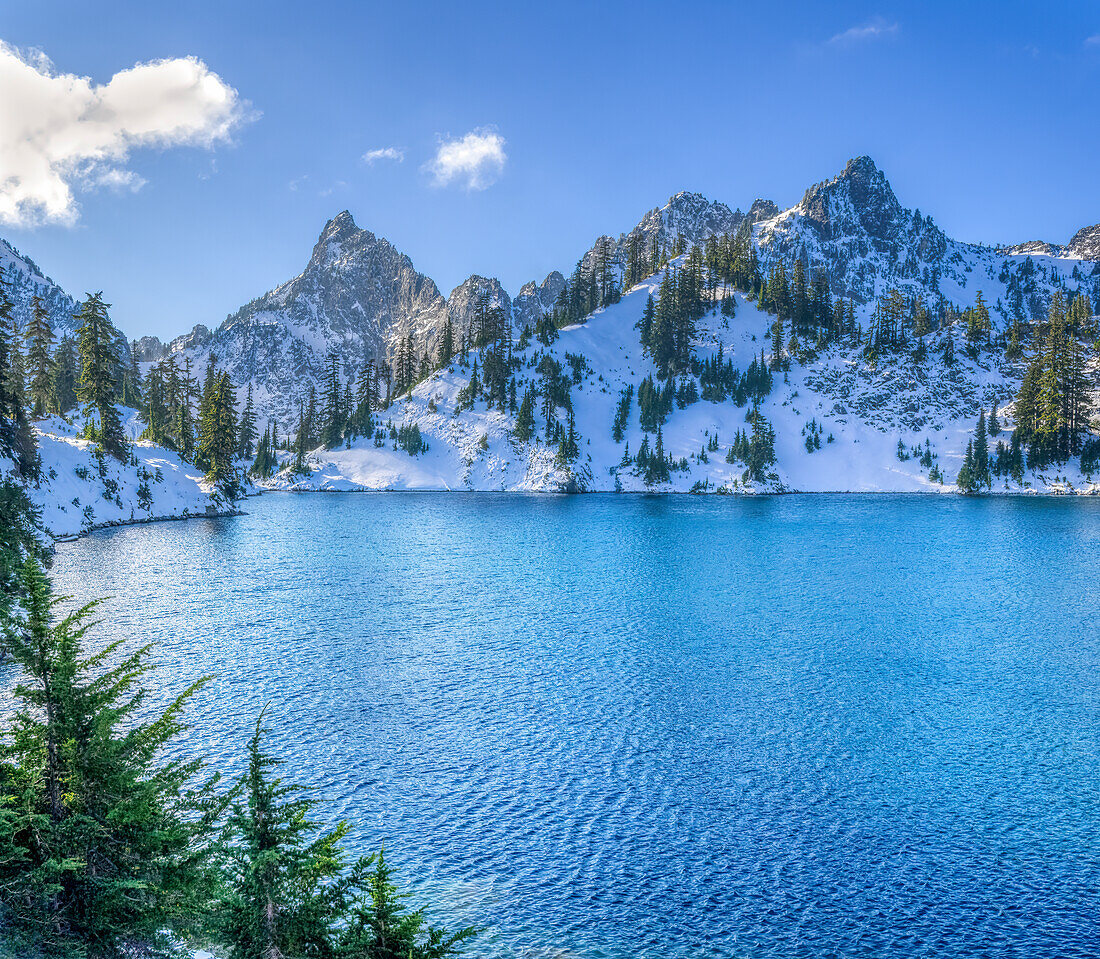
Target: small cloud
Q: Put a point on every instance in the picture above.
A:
(329, 190)
(1093, 41)
(476, 160)
(384, 153)
(298, 182)
(62, 132)
(112, 178)
(875, 29)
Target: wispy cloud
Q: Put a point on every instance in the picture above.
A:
(1093, 41)
(384, 153)
(475, 161)
(874, 29)
(60, 132)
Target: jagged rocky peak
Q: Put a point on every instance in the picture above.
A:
(692, 216)
(536, 300)
(762, 210)
(1085, 243)
(862, 189)
(462, 304)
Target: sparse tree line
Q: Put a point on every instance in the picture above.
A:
(94, 374)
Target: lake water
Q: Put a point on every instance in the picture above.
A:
(663, 726)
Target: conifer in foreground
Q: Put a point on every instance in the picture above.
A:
(102, 846)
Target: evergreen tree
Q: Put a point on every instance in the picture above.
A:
(16, 438)
(981, 453)
(380, 926)
(446, 344)
(64, 380)
(247, 429)
(40, 367)
(283, 892)
(19, 538)
(967, 481)
(102, 843)
(525, 419)
(217, 436)
(98, 386)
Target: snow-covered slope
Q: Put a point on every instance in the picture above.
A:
(25, 281)
(854, 230)
(361, 297)
(78, 491)
(873, 425)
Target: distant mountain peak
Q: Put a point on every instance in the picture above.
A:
(862, 186)
(1086, 243)
(340, 226)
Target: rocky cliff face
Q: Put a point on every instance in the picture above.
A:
(534, 301)
(361, 297)
(1085, 244)
(358, 295)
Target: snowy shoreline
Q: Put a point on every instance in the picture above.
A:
(143, 521)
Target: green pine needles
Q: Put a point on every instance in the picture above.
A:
(108, 850)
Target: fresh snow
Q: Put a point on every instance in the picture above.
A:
(866, 412)
(73, 497)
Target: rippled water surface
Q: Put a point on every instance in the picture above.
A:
(629, 726)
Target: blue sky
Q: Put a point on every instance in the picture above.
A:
(584, 117)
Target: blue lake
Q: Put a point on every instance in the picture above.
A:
(612, 726)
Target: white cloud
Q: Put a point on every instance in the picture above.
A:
(60, 132)
(384, 153)
(1093, 41)
(875, 29)
(476, 160)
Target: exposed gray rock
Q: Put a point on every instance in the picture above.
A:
(533, 302)
(358, 295)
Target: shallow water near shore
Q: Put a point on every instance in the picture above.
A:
(609, 726)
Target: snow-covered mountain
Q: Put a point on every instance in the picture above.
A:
(854, 230)
(1083, 245)
(361, 297)
(25, 281)
(840, 424)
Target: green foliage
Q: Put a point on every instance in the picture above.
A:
(101, 843)
(98, 386)
(19, 538)
(525, 418)
(380, 925)
(217, 449)
(288, 890)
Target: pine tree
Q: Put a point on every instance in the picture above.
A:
(981, 453)
(63, 385)
(39, 338)
(380, 926)
(217, 436)
(446, 344)
(283, 895)
(98, 386)
(247, 430)
(103, 844)
(966, 481)
(525, 419)
(16, 438)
